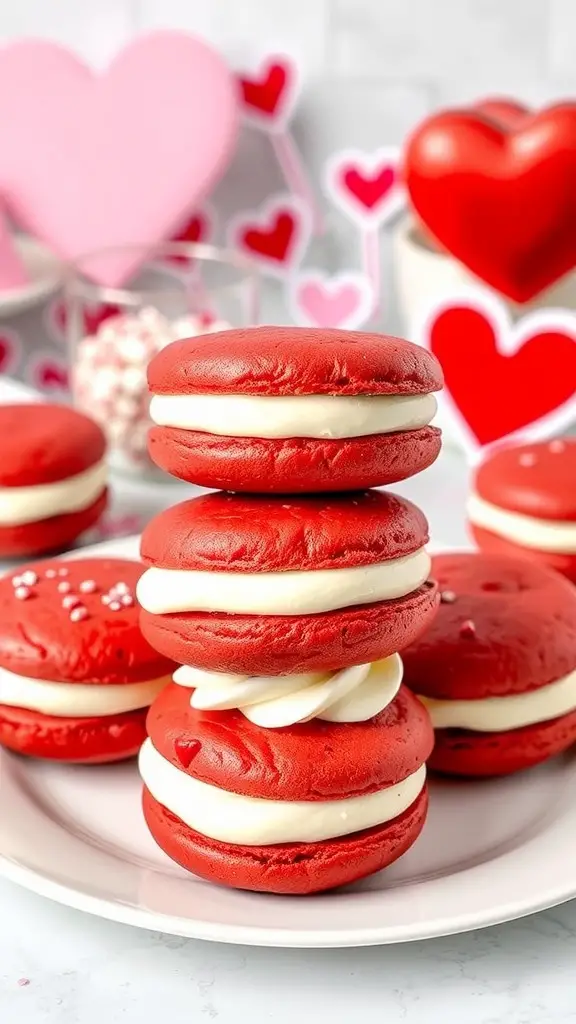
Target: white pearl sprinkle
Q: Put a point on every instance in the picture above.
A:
(87, 587)
(78, 613)
(447, 597)
(16, 581)
(557, 446)
(70, 601)
(50, 574)
(105, 599)
(29, 578)
(115, 606)
(121, 588)
(127, 600)
(527, 459)
(64, 587)
(62, 572)
(22, 593)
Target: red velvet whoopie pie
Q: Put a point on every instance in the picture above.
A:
(194, 761)
(293, 410)
(76, 674)
(497, 666)
(524, 503)
(258, 585)
(52, 477)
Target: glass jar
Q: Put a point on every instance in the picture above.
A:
(181, 289)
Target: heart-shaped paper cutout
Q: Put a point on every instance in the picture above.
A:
(343, 301)
(47, 373)
(93, 161)
(366, 186)
(93, 317)
(504, 379)
(275, 235)
(501, 200)
(10, 349)
(197, 229)
(269, 94)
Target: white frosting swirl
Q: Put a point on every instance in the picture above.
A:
(315, 416)
(251, 821)
(20, 505)
(297, 592)
(499, 714)
(529, 531)
(349, 695)
(76, 700)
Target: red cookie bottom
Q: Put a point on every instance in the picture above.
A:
(280, 644)
(296, 869)
(53, 534)
(75, 740)
(493, 543)
(468, 753)
(293, 465)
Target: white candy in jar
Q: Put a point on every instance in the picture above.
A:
(109, 376)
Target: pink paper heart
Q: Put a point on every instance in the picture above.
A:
(343, 301)
(93, 161)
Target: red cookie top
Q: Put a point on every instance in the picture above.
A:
(504, 626)
(534, 479)
(223, 532)
(43, 443)
(294, 361)
(313, 761)
(76, 621)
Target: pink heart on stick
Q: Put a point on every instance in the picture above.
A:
(92, 161)
(343, 301)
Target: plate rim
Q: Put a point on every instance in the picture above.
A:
(258, 935)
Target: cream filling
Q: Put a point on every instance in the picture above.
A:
(250, 821)
(498, 714)
(349, 695)
(541, 534)
(316, 416)
(162, 591)
(19, 505)
(76, 700)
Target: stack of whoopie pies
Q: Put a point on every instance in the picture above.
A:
(287, 756)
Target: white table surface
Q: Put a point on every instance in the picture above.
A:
(58, 966)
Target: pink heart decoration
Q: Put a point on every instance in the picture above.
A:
(367, 187)
(343, 301)
(92, 161)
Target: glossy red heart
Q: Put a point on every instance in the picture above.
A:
(502, 201)
(266, 92)
(274, 241)
(499, 393)
(505, 112)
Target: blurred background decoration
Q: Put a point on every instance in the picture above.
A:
(353, 162)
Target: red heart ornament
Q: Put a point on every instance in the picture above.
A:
(369, 190)
(268, 93)
(505, 112)
(273, 241)
(504, 384)
(501, 200)
(48, 374)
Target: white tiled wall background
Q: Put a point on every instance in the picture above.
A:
(372, 68)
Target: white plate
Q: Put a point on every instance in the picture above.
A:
(490, 852)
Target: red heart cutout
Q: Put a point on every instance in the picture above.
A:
(196, 229)
(9, 347)
(498, 394)
(50, 375)
(369, 190)
(266, 92)
(274, 241)
(93, 317)
(502, 201)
